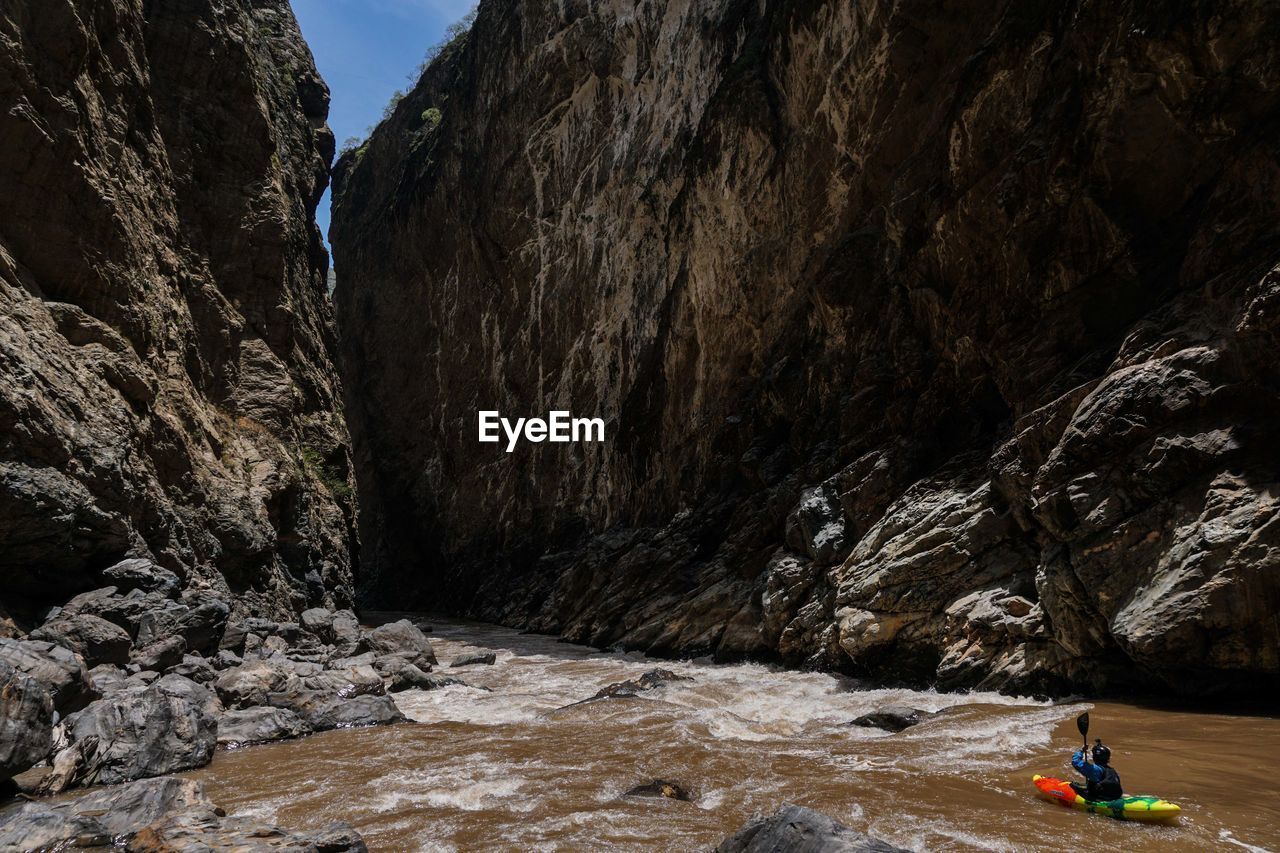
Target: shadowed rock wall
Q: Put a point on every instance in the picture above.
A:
(166, 388)
(936, 341)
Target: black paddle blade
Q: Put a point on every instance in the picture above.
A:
(1082, 723)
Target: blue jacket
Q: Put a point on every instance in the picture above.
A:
(1092, 772)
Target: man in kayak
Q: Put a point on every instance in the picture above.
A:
(1102, 781)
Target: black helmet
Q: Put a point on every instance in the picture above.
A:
(1101, 754)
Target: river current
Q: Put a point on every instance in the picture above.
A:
(501, 764)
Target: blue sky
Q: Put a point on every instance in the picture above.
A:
(365, 50)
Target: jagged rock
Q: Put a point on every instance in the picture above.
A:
(196, 668)
(199, 620)
(892, 718)
(26, 721)
(348, 681)
(225, 659)
(660, 788)
(477, 659)
(154, 815)
(160, 654)
(797, 829)
(166, 336)
(93, 638)
(107, 678)
(650, 680)
(242, 726)
(251, 682)
(325, 709)
(141, 574)
(402, 638)
(60, 670)
(168, 726)
(995, 347)
(402, 675)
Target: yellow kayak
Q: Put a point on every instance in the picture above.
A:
(1150, 809)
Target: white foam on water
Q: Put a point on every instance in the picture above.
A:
(465, 786)
(1226, 836)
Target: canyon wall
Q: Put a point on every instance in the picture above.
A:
(936, 341)
(166, 382)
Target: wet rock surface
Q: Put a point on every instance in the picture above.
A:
(797, 829)
(892, 718)
(938, 347)
(153, 814)
(661, 788)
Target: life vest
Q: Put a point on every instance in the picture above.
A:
(1106, 788)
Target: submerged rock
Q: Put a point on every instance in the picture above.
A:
(650, 680)
(477, 659)
(796, 829)
(660, 788)
(892, 718)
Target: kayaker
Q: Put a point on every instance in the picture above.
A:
(1102, 781)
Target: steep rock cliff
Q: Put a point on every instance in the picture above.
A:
(935, 341)
(166, 383)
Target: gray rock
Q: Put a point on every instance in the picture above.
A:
(323, 710)
(168, 726)
(166, 814)
(141, 573)
(200, 620)
(225, 659)
(251, 682)
(242, 726)
(60, 670)
(478, 659)
(661, 788)
(402, 675)
(650, 680)
(796, 829)
(93, 638)
(350, 681)
(892, 718)
(161, 654)
(195, 667)
(26, 721)
(107, 678)
(404, 638)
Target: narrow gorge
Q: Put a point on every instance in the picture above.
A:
(934, 351)
(935, 344)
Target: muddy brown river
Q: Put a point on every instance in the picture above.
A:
(495, 766)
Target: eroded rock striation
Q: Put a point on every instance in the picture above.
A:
(166, 384)
(933, 343)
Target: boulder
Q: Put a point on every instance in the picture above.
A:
(251, 682)
(796, 829)
(478, 659)
(200, 620)
(660, 788)
(892, 718)
(650, 680)
(323, 709)
(168, 726)
(242, 726)
(93, 638)
(402, 675)
(26, 721)
(350, 681)
(403, 638)
(142, 574)
(167, 814)
(194, 667)
(107, 678)
(225, 659)
(60, 670)
(161, 654)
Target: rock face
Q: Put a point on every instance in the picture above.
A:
(797, 829)
(166, 388)
(931, 344)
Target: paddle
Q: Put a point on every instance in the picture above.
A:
(1082, 723)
